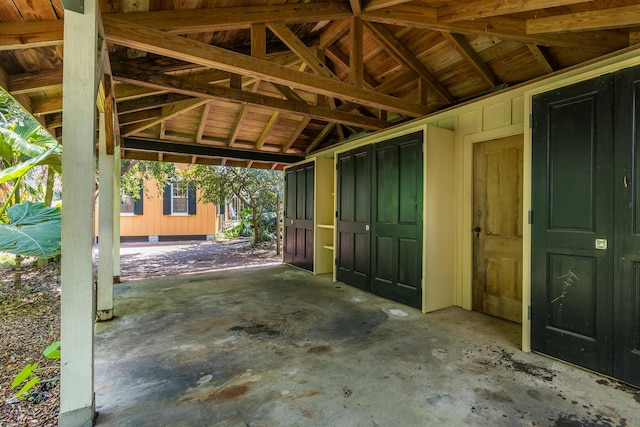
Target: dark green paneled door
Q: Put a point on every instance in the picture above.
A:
(396, 245)
(298, 221)
(354, 212)
(627, 224)
(572, 179)
(585, 240)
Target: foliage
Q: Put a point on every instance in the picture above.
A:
(256, 188)
(33, 230)
(28, 372)
(22, 149)
(134, 171)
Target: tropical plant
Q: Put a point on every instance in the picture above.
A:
(33, 230)
(28, 373)
(257, 189)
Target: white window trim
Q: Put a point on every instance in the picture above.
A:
(187, 199)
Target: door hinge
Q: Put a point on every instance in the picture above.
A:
(530, 217)
(529, 313)
(336, 214)
(530, 121)
(335, 261)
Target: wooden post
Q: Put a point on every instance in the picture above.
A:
(80, 86)
(105, 226)
(116, 215)
(278, 224)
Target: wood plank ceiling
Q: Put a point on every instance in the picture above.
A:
(263, 83)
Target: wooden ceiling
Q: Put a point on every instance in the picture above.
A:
(264, 83)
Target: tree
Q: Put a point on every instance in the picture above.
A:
(256, 188)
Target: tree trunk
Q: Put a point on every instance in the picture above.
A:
(48, 194)
(257, 233)
(48, 199)
(17, 276)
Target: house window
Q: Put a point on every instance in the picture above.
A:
(179, 198)
(127, 205)
(130, 205)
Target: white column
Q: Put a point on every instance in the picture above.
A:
(78, 171)
(105, 227)
(116, 215)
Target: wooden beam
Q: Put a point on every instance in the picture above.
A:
(131, 35)
(235, 130)
(617, 17)
(300, 49)
(267, 129)
(32, 34)
(383, 4)
(33, 82)
(356, 7)
(634, 37)
(544, 58)
(139, 116)
(463, 47)
(501, 27)
(178, 85)
(318, 139)
(150, 102)
(333, 32)
(296, 133)
(475, 9)
(398, 50)
(173, 111)
(357, 53)
(203, 122)
(156, 146)
(4, 80)
(188, 21)
(338, 57)
(46, 105)
(124, 92)
(259, 41)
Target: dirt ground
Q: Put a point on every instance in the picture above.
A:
(30, 312)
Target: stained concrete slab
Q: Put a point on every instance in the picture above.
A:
(277, 346)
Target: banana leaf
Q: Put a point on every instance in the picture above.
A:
(34, 229)
(15, 172)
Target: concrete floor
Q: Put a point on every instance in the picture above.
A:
(276, 346)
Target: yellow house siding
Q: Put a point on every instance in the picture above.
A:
(154, 223)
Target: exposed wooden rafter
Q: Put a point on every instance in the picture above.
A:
(618, 17)
(398, 50)
(131, 35)
(505, 28)
(474, 9)
(187, 21)
(471, 57)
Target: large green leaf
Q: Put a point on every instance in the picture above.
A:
(15, 172)
(34, 230)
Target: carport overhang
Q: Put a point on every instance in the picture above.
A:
(78, 301)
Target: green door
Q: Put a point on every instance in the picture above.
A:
(298, 221)
(397, 199)
(585, 285)
(572, 228)
(354, 211)
(627, 190)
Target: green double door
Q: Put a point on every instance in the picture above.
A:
(379, 218)
(298, 215)
(586, 224)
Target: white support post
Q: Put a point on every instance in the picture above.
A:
(77, 406)
(105, 227)
(116, 215)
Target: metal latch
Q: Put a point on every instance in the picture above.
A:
(601, 244)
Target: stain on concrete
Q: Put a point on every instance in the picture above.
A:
(496, 396)
(256, 329)
(526, 368)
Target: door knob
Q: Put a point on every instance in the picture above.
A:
(476, 229)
